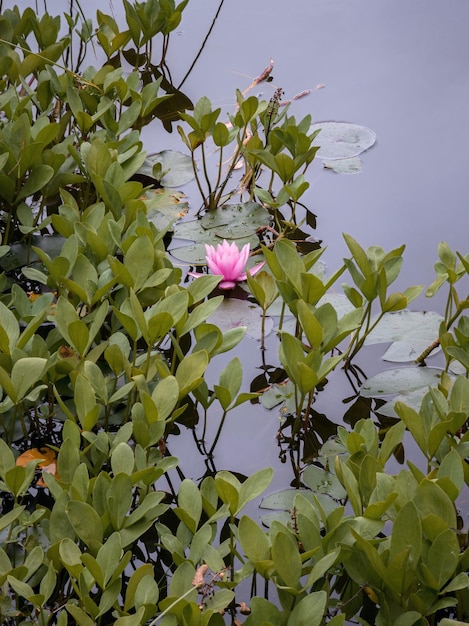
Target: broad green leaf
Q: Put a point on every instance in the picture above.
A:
(443, 556)
(86, 523)
(190, 371)
(430, 499)
(287, 559)
(407, 534)
(253, 540)
(122, 459)
(309, 611)
(228, 487)
(9, 329)
(322, 566)
(254, 485)
(190, 501)
(26, 373)
(138, 260)
(165, 396)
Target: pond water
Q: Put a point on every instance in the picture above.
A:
(397, 67)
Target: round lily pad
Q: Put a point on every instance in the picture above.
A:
(234, 221)
(342, 140)
(410, 332)
(406, 384)
(176, 168)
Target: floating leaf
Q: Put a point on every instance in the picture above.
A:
(176, 168)
(409, 384)
(164, 206)
(342, 140)
(410, 331)
(353, 165)
(320, 480)
(231, 221)
(233, 313)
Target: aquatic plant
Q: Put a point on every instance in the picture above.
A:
(105, 356)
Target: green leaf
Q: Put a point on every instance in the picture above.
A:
(165, 396)
(287, 559)
(190, 501)
(86, 523)
(122, 459)
(253, 540)
(37, 179)
(228, 487)
(190, 372)
(254, 485)
(220, 600)
(138, 260)
(25, 374)
(443, 556)
(430, 499)
(309, 611)
(322, 566)
(81, 618)
(407, 534)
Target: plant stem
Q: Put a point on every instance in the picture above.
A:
(172, 605)
(217, 436)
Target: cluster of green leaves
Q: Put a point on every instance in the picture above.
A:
(257, 135)
(49, 116)
(315, 345)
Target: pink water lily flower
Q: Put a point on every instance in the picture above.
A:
(228, 261)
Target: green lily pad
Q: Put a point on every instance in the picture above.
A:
(410, 331)
(406, 384)
(233, 313)
(342, 140)
(353, 165)
(237, 222)
(176, 168)
(231, 221)
(194, 254)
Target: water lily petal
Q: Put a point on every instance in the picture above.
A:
(240, 263)
(253, 270)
